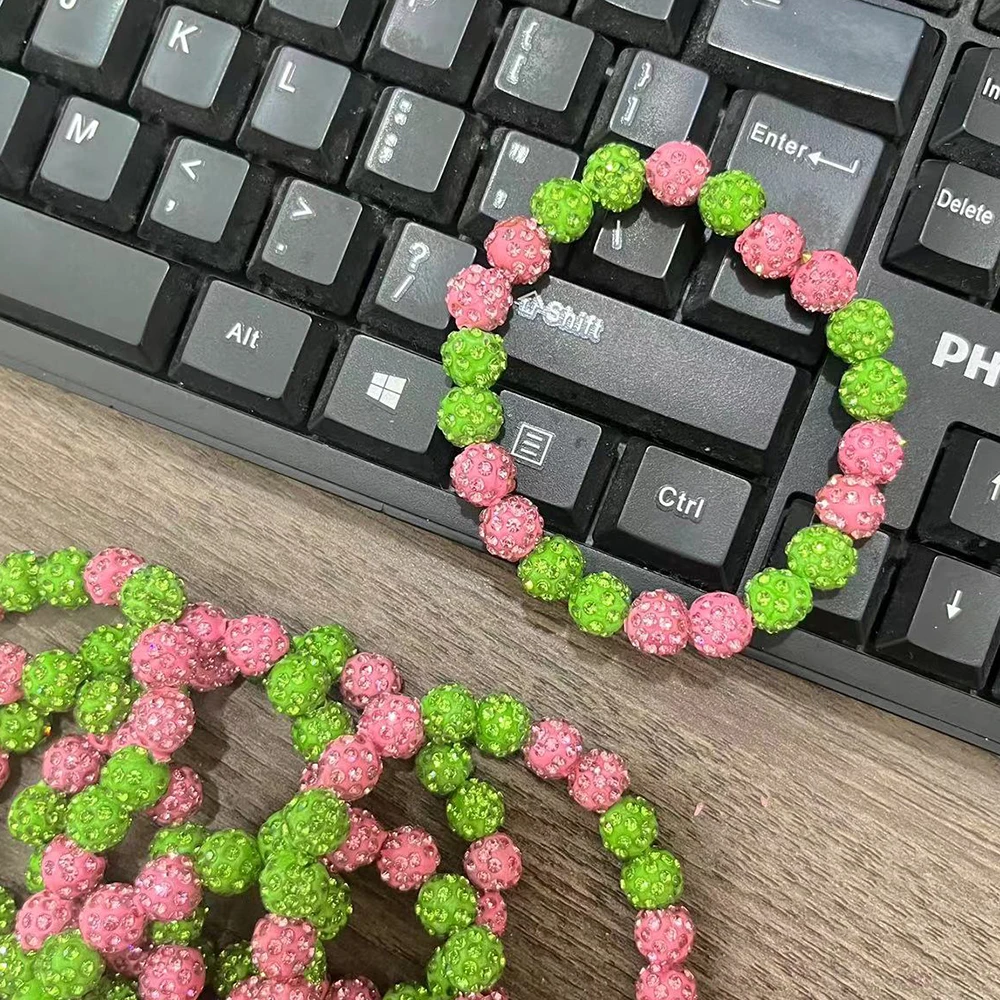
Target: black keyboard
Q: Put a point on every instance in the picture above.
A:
(236, 219)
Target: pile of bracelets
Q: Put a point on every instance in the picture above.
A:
(129, 688)
(849, 507)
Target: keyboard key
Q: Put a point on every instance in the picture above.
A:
(16, 17)
(563, 461)
(237, 11)
(847, 58)
(381, 401)
(59, 278)
(436, 48)
(672, 513)
(405, 297)
(206, 205)
(199, 73)
(652, 99)
(989, 15)
(317, 246)
(92, 45)
(417, 155)
(942, 620)
(650, 374)
(99, 164)
(968, 128)
(335, 28)
(544, 75)
(26, 110)
(949, 231)
(307, 114)
(661, 24)
(252, 352)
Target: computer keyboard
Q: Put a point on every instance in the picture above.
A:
(236, 218)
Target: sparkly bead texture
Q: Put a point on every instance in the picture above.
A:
(851, 504)
(482, 474)
(676, 173)
(825, 282)
(657, 623)
(520, 248)
(729, 202)
(511, 528)
(773, 246)
(615, 176)
(720, 626)
(479, 297)
(873, 450)
(563, 208)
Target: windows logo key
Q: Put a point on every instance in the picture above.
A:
(386, 389)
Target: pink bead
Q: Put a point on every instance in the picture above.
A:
(600, 780)
(212, 669)
(511, 528)
(826, 282)
(310, 776)
(364, 842)
(181, 800)
(520, 248)
(4, 769)
(366, 675)
(282, 947)
(12, 660)
(206, 622)
(491, 912)
(111, 920)
(873, 449)
(772, 247)
(493, 863)
(41, 916)
(409, 857)
(553, 749)
(68, 870)
(127, 963)
(657, 623)
(497, 993)
(479, 297)
(350, 766)
(482, 474)
(676, 171)
(394, 725)
(720, 625)
(161, 720)
(353, 989)
(295, 989)
(167, 888)
(70, 765)
(171, 972)
(665, 936)
(105, 573)
(126, 735)
(852, 505)
(255, 643)
(247, 989)
(165, 656)
(658, 982)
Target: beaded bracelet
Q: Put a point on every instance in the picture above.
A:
(850, 506)
(73, 927)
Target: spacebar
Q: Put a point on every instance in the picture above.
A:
(74, 284)
(651, 374)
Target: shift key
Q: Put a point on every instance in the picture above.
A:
(651, 374)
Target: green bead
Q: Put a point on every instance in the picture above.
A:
(449, 714)
(615, 176)
(36, 815)
(822, 556)
(67, 967)
(861, 330)
(184, 839)
(234, 964)
(107, 651)
(407, 991)
(473, 357)
(470, 416)
(228, 862)
(151, 595)
(317, 821)
(331, 645)
(96, 820)
(296, 685)
(552, 569)
(8, 910)
(22, 727)
(15, 965)
(731, 201)
(312, 732)
(19, 583)
(293, 886)
(33, 871)
(445, 904)
(60, 578)
(475, 810)
(873, 390)
(334, 909)
(103, 703)
(473, 960)
(629, 827)
(315, 971)
(778, 599)
(114, 988)
(437, 980)
(273, 835)
(502, 725)
(653, 880)
(442, 768)
(134, 778)
(51, 679)
(563, 208)
(182, 932)
(32, 989)
(599, 604)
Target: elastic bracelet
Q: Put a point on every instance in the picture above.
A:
(850, 506)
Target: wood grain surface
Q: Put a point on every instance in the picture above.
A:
(830, 850)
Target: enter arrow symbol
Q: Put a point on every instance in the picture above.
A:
(955, 607)
(188, 167)
(995, 483)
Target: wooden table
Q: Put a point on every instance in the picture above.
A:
(831, 850)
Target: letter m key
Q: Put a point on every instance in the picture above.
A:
(80, 130)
